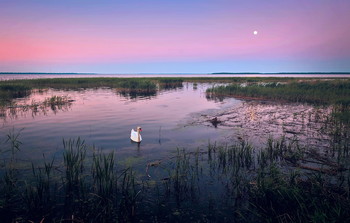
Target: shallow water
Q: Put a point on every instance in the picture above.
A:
(104, 118)
(256, 121)
(170, 119)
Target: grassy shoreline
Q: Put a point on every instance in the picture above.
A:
(315, 92)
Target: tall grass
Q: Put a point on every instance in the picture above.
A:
(9, 91)
(218, 183)
(306, 91)
(79, 189)
(316, 92)
(170, 83)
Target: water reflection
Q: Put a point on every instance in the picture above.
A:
(137, 94)
(171, 85)
(52, 105)
(180, 117)
(216, 98)
(104, 117)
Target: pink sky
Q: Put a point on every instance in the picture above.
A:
(63, 36)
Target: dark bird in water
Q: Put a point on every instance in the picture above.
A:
(215, 121)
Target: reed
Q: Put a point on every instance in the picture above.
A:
(170, 83)
(38, 195)
(279, 182)
(279, 198)
(10, 190)
(103, 173)
(74, 178)
(15, 143)
(9, 91)
(316, 92)
(21, 88)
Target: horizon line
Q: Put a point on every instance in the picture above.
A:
(168, 73)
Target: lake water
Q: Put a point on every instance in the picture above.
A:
(104, 118)
(170, 119)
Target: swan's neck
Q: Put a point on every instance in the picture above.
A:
(138, 135)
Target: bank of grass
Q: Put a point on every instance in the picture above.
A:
(9, 91)
(315, 92)
(276, 183)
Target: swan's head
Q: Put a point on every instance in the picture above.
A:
(139, 129)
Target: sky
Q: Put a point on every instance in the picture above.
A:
(174, 36)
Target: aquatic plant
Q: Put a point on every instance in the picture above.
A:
(170, 83)
(9, 91)
(317, 91)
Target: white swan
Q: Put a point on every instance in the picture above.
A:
(135, 135)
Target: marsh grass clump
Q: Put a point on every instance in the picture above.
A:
(137, 85)
(74, 157)
(170, 83)
(55, 103)
(294, 197)
(341, 112)
(136, 88)
(316, 92)
(10, 91)
(39, 194)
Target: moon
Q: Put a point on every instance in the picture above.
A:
(255, 32)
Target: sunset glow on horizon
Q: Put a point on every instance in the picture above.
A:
(190, 36)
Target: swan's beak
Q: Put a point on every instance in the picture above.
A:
(140, 130)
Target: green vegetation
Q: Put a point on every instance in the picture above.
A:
(316, 91)
(281, 182)
(170, 83)
(9, 91)
(55, 103)
(21, 88)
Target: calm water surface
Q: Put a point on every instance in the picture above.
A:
(104, 118)
(170, 119)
